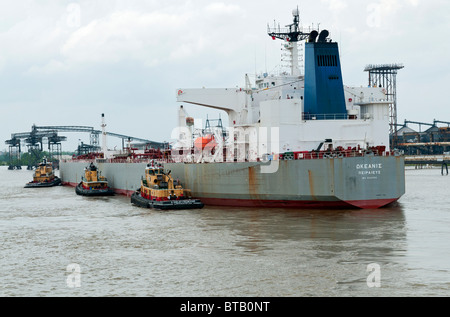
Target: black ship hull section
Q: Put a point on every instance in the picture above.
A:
(93, 192)
(138, 200)
(56, 182)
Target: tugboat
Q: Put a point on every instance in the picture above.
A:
(44, 176)
(160, 191)
(93, 184)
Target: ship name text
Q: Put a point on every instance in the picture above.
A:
(369, 166)
(369, 171)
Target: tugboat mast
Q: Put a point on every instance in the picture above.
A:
(104, 146)
(292, 35)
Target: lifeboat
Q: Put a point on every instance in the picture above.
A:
(93, 184)
(207, 142)
(44, 176)
(160, 191)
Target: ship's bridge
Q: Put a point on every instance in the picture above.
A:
(307, 109)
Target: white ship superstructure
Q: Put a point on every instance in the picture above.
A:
(278, 101)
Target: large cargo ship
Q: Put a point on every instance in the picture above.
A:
(299, 138)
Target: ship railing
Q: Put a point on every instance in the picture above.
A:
(297, 155)
(141, 160)
(285, 30)
(124, 160)
(350, 152)
(327, 116)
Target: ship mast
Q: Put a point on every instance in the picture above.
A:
(104, 146)
(292, 35)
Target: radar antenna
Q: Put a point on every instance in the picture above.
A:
(292, 34)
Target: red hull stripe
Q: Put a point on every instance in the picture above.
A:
(365, 204)
(371, 204)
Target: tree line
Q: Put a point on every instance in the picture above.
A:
(26, 159)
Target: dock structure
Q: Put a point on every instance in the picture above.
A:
(419, 161)
(48, 135)
(385, 76)
(435, 140)
(427, 159)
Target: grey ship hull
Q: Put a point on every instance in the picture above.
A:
(364, 182)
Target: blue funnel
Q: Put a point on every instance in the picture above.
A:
(324, 88)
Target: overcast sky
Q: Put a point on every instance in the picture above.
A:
(66, 63)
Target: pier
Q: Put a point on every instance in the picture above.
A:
(427, 159)
(48, 135)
